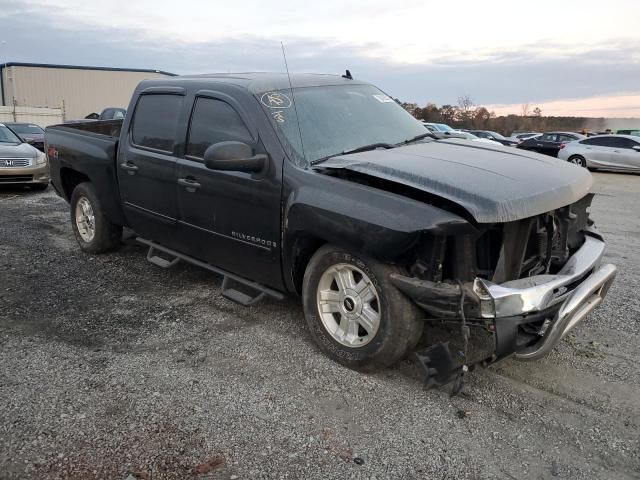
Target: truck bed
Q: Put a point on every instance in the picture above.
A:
(89, 149)
(109, 128)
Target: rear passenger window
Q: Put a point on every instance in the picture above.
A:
(214, 121)
(598, 141)
(155, 121)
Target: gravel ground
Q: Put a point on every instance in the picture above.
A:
(113, 368)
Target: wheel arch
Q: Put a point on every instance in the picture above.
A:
(70, 179)
(299, 249)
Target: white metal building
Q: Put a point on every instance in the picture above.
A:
(71, 90)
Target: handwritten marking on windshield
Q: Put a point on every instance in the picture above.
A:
(279, 116)
(275, 100)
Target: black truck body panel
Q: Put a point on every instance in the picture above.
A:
(494, 184)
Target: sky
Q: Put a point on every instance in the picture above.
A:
(567, 57)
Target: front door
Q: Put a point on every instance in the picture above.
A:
(232, 219)
(147, 167)
(624, 155)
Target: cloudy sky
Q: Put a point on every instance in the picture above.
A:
(568, 57)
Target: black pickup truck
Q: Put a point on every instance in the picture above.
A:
(324, 187)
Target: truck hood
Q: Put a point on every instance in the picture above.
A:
(493, 183)
(22, 150)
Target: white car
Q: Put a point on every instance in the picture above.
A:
(606, 152)
(520, 136)
(442, 130)
(471, 136)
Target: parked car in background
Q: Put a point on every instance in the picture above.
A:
(520, 136)
(437, 127)
(471, 136)
(20, 163)
(451, 133)
(110, 113)
(495, 136)
(28, 132)
(549, 143)
(635, 133)
(607, 152)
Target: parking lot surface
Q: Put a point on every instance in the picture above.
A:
(113, 368)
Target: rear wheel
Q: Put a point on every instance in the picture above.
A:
(354, 313)
(93, 231)
(578, 160)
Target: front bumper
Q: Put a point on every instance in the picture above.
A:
(547, 306)
(561, 301)
(25, 175)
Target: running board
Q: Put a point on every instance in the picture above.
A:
(258, 292)
(237, 296)
(159, 261)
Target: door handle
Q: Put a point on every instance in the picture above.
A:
(539, 145)
(129, 167)
(189, 184)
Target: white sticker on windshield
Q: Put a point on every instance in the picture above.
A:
(382, 98)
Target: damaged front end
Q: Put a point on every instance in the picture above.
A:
(525, 283)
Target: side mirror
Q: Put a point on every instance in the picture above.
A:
(234, 156)
(636, 148)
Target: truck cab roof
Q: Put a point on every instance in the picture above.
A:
(257, 82)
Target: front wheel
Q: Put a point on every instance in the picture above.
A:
(354, 313)
(93, 231)
(578, 160)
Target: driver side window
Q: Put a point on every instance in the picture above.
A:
(214, 121)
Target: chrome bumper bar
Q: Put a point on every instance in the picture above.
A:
(535, 294)
(587, 296)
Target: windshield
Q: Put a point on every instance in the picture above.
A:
(26, 128)
(334, 119)
(7, 136)
(443, 128)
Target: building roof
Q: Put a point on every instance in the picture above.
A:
(82, 67)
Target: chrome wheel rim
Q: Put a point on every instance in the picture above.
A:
(576, 161)
(85, 219)
(348, 305)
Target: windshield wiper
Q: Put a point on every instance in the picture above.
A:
(364, 148)
(419, 137)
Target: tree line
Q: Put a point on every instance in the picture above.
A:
(470, 116)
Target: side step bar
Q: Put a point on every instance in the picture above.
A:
(257, 293)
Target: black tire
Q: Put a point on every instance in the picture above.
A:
(38, 187)
(401, 322)
(578, 160)
(107, 236)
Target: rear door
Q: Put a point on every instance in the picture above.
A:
(232, 219)
(547, 144)
(147, 165)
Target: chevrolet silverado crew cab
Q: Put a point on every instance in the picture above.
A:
(324, 187)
